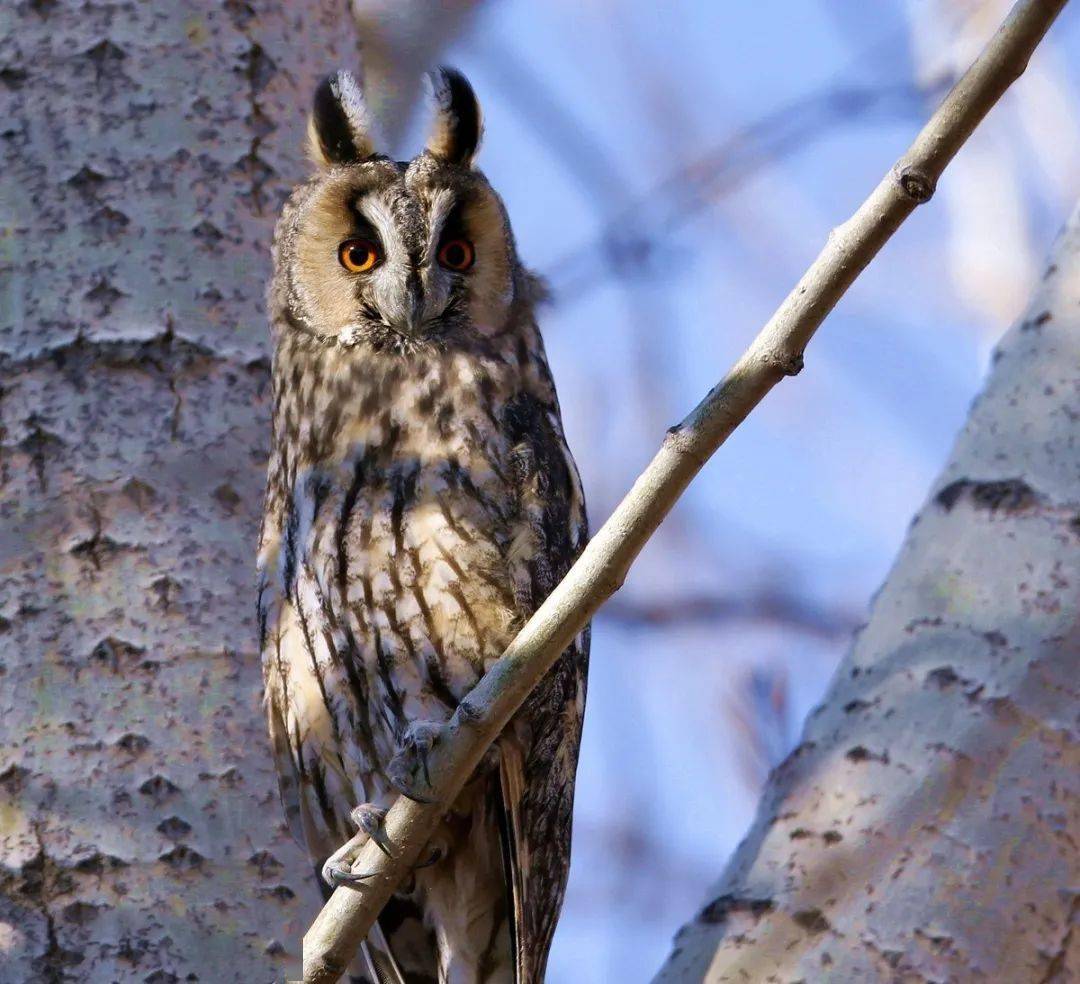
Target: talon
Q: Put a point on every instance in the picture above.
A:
(437, 853)
(401, 784)
(341, 860)
(339, 873)
(412, 757)
(337, 870)
(369, 819)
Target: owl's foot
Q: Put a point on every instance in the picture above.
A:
(369, 820)
(338, 868)
(408, 770)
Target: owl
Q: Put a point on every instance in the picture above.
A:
(421, 504)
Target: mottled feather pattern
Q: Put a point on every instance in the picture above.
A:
(421, 504)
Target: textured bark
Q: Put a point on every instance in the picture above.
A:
(146, 149)
(925, 828)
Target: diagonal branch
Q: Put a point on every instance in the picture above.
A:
(684, 194)
(776, 352)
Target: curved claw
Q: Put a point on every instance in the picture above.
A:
(339, 873)
(369, 819)
(336, 872)
(411, 761)
(382, 842)
(409, 792)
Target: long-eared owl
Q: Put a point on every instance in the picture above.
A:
(421, 504)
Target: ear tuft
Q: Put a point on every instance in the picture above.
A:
(455, 134)
(340, 130)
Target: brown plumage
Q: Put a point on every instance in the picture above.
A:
(421, 503)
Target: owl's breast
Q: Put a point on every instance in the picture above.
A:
(398, 545)
(412, 559)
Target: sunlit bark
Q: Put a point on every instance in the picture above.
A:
(145, 150)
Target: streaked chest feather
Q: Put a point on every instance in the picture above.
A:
(400, 527)
(412, 556)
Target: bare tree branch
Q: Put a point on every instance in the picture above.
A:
(399, 41)
(682, 195)
(769, 605)
(775, 353)
(758, 707)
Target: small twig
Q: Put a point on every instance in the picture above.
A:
(759, 708)
(770, 606)
(622, 246)
(776, 352)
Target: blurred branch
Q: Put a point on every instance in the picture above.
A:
(632, 240)
(774, 607)
(399, 41)
(596, 170)
(603, 179)
(758, 706)
(776, 352)
(637, 845)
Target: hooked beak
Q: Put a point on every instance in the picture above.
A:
(415, 318)
(410, 318)
(407, 314)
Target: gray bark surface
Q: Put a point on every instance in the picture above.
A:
(145, 149)
(926, 827)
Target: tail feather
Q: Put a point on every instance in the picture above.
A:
(400, 944)
(512, 779)
(380, 960)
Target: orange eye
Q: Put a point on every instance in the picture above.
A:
(358, 255)
(457, 254)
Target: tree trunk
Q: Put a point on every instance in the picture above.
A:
(145, 150)
(925, 828)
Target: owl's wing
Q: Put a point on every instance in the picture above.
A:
(540, 750)
(269, 613)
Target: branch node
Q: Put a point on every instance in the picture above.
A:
(915, 182)
(468, 712)
(789, 363)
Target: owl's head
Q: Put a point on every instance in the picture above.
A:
(395, 254)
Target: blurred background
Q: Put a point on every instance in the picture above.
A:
(671, 170)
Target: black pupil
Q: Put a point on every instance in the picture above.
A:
(455, 255)
(359, 254)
